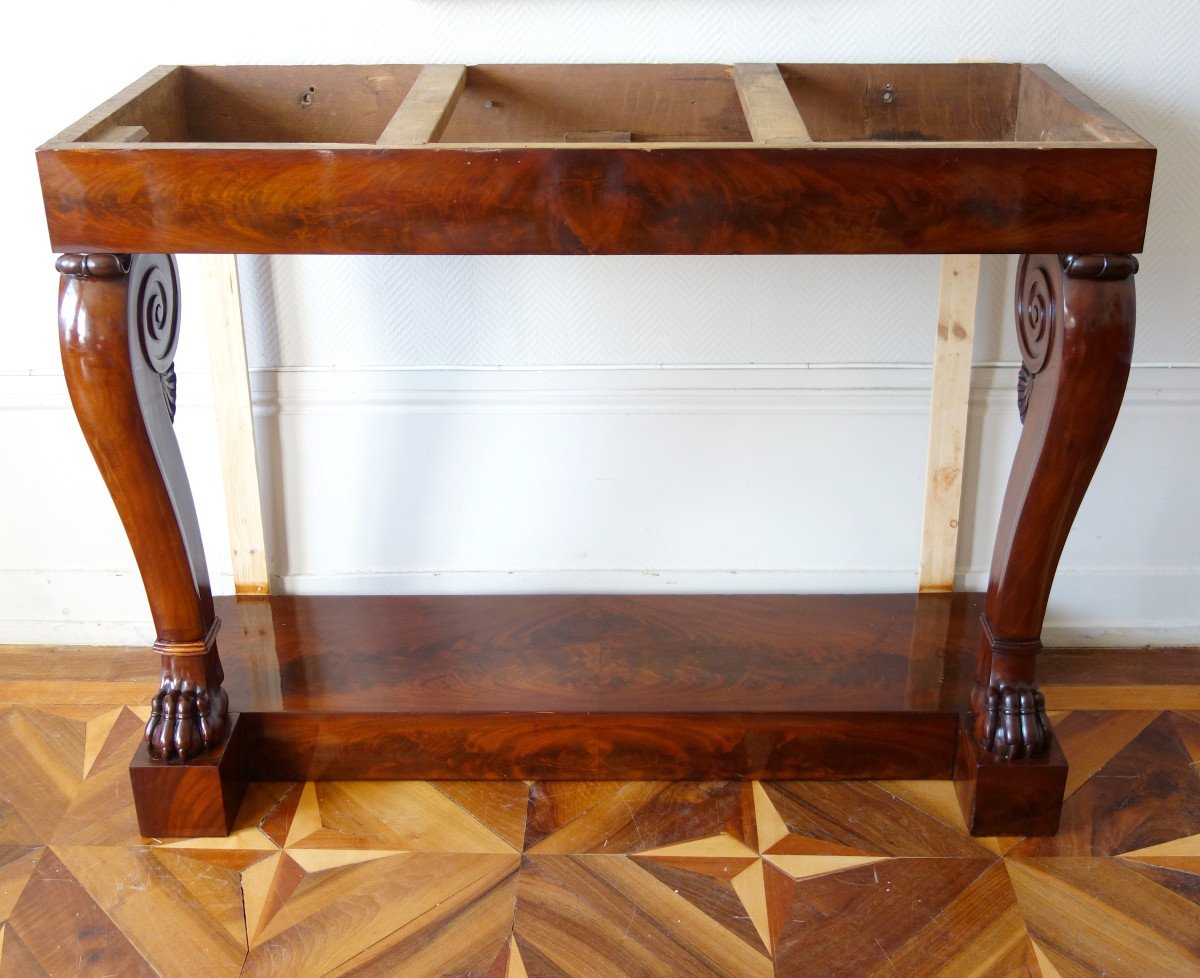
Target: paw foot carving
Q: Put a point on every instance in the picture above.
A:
(1013, 722)
(185, 720)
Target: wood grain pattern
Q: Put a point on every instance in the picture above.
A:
(1075, 325)
(1050, 106)
(1002, 796)
(600, 653)
(579, 879)
(128, 436)
(958, 290)
(195, 796)
(878, 102)
(118, 331)
(1089, 915)
(770, 112)
(292, 103)
(1121, 807)
(585, 687)
(588, 746)
(909, 183)
(851, 200)
(235, 422)
(154, 102)
(676, 103)
(426, 108)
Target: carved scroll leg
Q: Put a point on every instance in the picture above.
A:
(1075, 323)
(118, 329)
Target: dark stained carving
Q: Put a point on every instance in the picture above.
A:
(1024, 388)
(1075, 324)
(154, 307)
(92, 266)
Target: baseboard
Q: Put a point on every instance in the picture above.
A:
(110, 608)
(1113, 594)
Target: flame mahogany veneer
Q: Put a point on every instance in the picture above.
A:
(598, 159)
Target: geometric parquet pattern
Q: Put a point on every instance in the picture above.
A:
(498, 880)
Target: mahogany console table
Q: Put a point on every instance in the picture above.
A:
(599, 159)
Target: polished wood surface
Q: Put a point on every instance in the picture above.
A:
(118, 330)
(1004, 796)
(607, 159)
(903, 158)
(1075, 325)
(200, 798)
(587, 687)
(586, 879)
(580, 200)
(599, 653)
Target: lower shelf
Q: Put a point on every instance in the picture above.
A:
(599, 687)
(557, 688)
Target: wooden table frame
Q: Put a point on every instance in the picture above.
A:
(600, 159)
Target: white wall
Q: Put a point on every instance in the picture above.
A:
(628, 445)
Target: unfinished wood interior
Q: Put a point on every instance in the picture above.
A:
(308, 103)
(498, 105)
(958, 102)
(545, 103)
(769, 107)
(426, 109)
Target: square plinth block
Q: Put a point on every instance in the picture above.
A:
(199, 797)
(1002, 797)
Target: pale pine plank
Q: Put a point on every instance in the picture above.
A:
(235, 423)
(958, 291)
(122, 134)
(770, 111)
(426, 109)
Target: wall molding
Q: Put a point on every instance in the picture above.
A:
(104, 604)
(606, 389)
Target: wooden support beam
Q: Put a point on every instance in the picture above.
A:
(958, 291)
(426, 108)
(235, 423)
(769, 108)
(122, 134)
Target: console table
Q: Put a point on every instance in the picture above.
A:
(598, 160)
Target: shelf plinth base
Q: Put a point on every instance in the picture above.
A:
(197, 797)
(1002, 797)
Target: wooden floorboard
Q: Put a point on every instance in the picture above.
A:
(600, 878)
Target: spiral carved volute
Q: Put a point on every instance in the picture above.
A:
(154, 309)
(1038, 309)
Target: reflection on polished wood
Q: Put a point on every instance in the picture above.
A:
(596, 878)
(600, 159)
(601, 653)
(586, 687)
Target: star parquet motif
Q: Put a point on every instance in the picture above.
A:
(500, 880)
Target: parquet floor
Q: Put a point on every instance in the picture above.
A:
(593, 879)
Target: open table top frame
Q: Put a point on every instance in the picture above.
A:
(599, 159)
(624, 159)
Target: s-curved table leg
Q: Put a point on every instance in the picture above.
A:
(118, 330)
(1075, 325)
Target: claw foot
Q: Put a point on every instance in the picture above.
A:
(1012, 722)
(185, 720)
